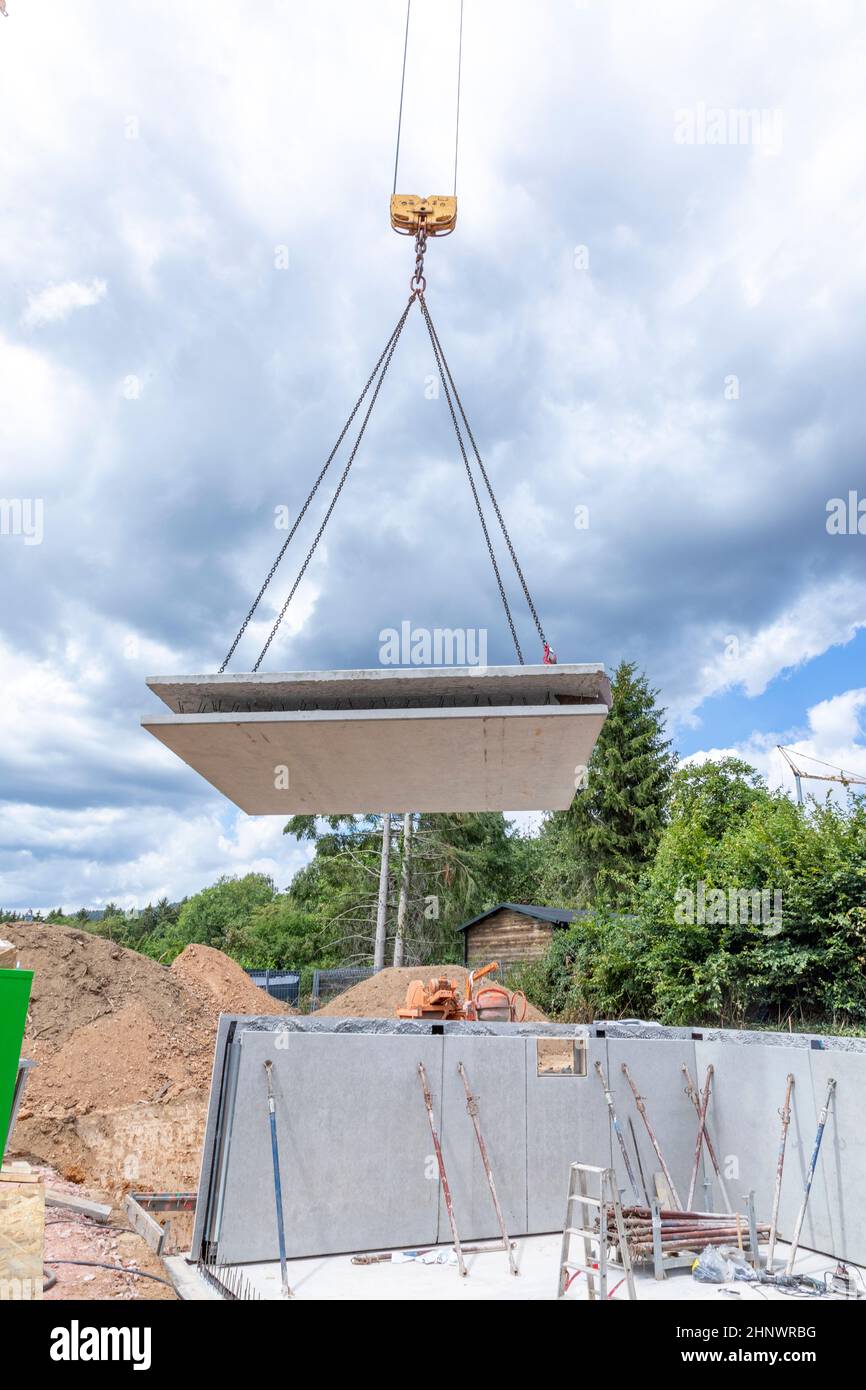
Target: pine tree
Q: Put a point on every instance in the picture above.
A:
(613, 826)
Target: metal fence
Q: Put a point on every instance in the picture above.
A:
(329, 983)
(280, 984)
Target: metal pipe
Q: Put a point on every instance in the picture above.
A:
(639, 1102)
(472, 1107)
(693, 1097)
(639, 1164)
(807, 1188)
(443, 1176)
(278, 1190)
(639, 1250)
(608, 1095)
(699, 1142)
(785, 1113)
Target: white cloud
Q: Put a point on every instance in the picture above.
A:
(134, 855)
(827, 615)
(56, 302)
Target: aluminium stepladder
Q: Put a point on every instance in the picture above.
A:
(606, 1203)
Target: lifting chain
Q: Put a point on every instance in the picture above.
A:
(417, 282)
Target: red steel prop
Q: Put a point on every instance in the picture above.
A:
(443, 1176)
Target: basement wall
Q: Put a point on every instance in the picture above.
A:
(356, 1156)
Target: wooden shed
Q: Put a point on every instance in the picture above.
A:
(512, 933)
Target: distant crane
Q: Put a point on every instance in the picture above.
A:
(848, 779)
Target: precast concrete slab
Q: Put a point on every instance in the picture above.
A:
(566, 1121)
(841, 1175)
(657, 1074)
(433, 1278)
(354, 1146)
(357, 1163)
(744, 1122)
(496, 1070)
(455, 739)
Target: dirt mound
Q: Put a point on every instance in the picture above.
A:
(221, 985)
(384, 993)
(124, 1048)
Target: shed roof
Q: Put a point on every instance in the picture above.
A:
(557, 916)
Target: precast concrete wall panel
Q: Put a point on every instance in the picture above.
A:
(354, 1145)
(566, 1121)
(496, 1071)
(357, 1162)
(656, 1071)
(745, 1125)
(840, 1178)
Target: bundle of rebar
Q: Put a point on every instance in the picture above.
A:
(682, 1230)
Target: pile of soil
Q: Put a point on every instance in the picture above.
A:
(385, 992)
(220, 986)
(113, 1032)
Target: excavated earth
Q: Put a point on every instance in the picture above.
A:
(124, 1050)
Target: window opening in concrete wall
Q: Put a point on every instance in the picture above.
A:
(560, 1056)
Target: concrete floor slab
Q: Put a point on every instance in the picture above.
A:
(384, 687)
(335, 1277)
(510, 758)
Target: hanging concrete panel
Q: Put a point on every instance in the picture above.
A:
(468, 739)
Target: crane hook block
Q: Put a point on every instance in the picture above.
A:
(438, 214)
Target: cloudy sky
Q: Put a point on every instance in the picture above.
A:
(653, 304)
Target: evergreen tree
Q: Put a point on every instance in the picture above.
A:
(613, 826)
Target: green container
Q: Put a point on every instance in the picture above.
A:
(14, 998)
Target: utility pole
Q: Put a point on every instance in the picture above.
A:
(382, 907)
(403, 901)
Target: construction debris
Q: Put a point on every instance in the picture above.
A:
(97, 1211)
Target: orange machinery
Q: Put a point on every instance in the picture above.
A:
(441, 998)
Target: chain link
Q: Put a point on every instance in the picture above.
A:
(417, 282)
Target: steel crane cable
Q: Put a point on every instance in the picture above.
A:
(403, 89)
(318, 536)
(438, 346)
(437, 353)
(388, 348)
